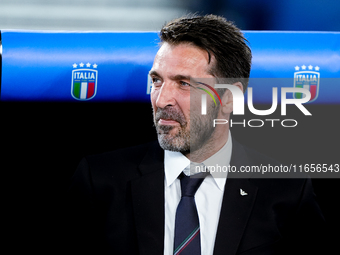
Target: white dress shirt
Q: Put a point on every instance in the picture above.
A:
(208, 197)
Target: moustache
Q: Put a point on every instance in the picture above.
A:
(170, 114)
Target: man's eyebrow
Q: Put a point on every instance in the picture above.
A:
(153, 72)
(176, 77)
(193, 81)
(172, 77)
(180, 77)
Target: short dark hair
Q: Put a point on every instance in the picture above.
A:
(219, 37)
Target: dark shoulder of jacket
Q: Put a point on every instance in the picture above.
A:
(274, 174)
(121, 163)
(260, 158)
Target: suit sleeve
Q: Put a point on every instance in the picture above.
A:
(80, 191)
(310, 235)
(82, 232)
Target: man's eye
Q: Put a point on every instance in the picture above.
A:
(156, 80)
(183, 83)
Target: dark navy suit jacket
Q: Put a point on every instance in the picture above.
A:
(117, 207)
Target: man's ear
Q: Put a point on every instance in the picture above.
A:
(227, 99)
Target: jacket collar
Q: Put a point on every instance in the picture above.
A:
(236, 207)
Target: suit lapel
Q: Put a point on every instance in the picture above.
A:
(236, 207)
(148, 202)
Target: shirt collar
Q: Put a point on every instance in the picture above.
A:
(174, 163)
(219, 163)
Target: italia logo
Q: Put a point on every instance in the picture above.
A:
(308, 78)
(84, 81)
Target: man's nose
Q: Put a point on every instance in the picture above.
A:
(166, 95)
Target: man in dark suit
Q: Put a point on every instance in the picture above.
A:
(133, 201)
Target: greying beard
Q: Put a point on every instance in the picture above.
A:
(202, 128)
(179, 141)
(185, 140)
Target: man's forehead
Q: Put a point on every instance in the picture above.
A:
(182, 56)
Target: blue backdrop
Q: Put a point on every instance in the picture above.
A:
(58, 66)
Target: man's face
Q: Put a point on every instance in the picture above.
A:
(170, 96)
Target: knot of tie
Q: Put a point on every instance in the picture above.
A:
(189, 185)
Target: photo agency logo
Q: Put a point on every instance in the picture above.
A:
(305, 90)
(204, 97)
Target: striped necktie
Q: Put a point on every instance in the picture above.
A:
(187, 229)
